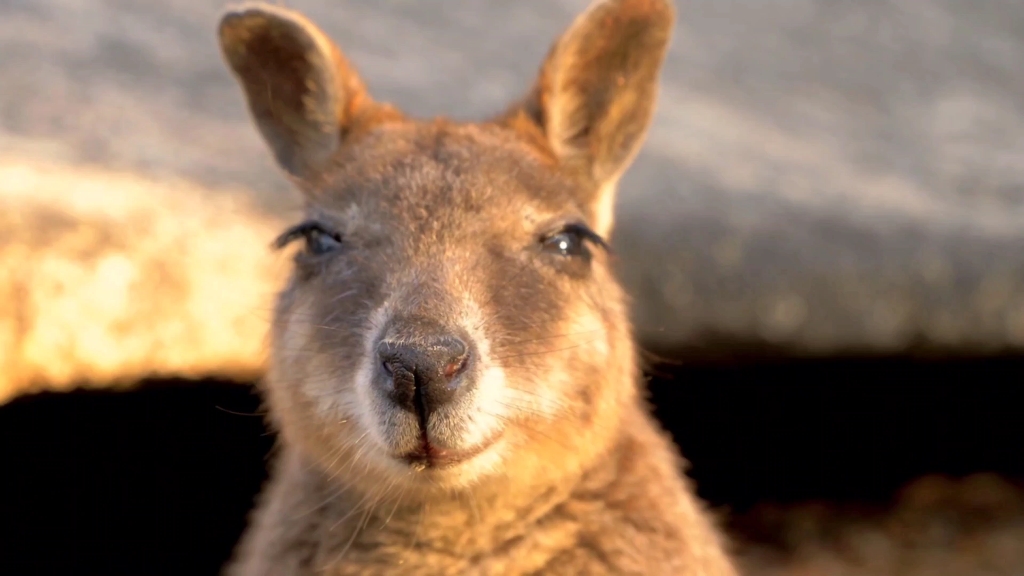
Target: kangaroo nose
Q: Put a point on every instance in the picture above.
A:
(422, 374)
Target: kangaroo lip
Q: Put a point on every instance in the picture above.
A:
(427, 455)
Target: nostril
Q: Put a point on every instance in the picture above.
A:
(452, 369)
(421, 372)
(452, 355)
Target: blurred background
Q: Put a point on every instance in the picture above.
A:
(824, 239)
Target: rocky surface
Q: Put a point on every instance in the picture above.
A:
(823, 176)
(937, 527)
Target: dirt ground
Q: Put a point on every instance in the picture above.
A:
(937, 527)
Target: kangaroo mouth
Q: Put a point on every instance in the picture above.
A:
(429, 456)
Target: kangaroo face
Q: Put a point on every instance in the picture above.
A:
(452, 315)
(450, 304)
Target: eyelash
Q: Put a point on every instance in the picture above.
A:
(310, 229)
(306, 230)
(587, 234)
(571, 240)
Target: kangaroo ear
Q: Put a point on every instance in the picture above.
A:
(596, 91)
(302, 93)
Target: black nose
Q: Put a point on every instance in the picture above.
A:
(421, 373)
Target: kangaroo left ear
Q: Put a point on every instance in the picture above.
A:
(303, 94)
(596, 92)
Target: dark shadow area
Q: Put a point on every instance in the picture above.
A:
(154, 481)
(159, 480)
(840, 430)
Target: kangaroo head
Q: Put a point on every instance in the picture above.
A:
(452, 316)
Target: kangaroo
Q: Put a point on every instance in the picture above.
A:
(452, 373)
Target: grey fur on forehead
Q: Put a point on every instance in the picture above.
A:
(458, 175)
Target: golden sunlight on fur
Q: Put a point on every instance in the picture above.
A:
(107, 277)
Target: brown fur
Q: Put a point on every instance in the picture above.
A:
(548, 460)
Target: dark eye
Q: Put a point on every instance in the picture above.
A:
(565, 244)
(319, 239)
(571, 240)
(321, 242)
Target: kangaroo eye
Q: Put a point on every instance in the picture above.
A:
(320, 242)
(571, 241)
(565, 244)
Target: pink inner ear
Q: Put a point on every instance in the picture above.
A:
(599, 84)
(285, 67)
(303, 94)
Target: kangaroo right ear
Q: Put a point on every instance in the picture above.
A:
(302, 93)
(596, 92)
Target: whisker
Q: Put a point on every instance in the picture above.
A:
(542, 352)
(331, 496)
(419, 526)
(544, 338)
(232, 412)
(529, 428)
(356, 531)
(358, 507)
(398, 503)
